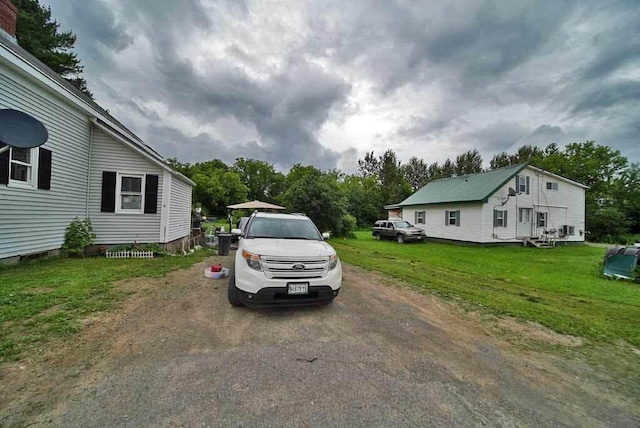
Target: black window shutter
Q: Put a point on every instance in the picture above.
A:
(504, 216)
(44, 169)
(457, 218)
(446, 218)
(108, 203)
(151, 194)
(527, 184)
(4, 167)
(495, 218)
(517, 184)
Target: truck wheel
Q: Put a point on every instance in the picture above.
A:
(233, 294)
(378, 237)
(400, 239)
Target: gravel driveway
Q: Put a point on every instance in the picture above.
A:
(178, 355)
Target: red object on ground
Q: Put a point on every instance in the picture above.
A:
(216, 268)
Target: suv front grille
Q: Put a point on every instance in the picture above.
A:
(295, 267)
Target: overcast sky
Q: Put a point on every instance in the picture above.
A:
(322, 82)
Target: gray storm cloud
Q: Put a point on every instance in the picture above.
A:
(266, 80)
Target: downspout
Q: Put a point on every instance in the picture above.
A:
(89, 166)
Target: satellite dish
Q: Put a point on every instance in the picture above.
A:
(18, 129)
(512, 191)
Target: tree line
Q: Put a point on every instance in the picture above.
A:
(342, 202)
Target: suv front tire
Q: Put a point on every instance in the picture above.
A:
(233, 293)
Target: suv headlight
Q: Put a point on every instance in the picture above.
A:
(253, 260)
(333, 262)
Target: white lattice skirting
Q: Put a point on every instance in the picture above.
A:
(129, 254)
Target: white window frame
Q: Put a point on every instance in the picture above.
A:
(421, 217)
(32, 183)
(119, 176)
(545, 216)
(453, 217)
(522, 184)
(552, 185)
(499, 218)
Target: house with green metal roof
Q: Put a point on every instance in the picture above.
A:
(515, 204)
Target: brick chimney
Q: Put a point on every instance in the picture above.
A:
(8, 18)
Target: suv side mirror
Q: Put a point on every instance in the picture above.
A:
(326, 235)
(236, 232)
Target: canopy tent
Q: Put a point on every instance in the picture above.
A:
(255, 205)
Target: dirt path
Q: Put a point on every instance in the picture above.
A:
(178, 355)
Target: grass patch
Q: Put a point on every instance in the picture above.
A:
(47, 298)
(561, 288)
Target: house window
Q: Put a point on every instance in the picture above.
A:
(22, 166)
(523, 184)
(499, 218)
(552, 185)
(542, 219)
(452, 218)
(568, 230)
(130, 194)
(420, 217)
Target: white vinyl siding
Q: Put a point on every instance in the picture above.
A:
(564, 206)
(109, 154)
(32, 220)
(470, 221)
(179, 224)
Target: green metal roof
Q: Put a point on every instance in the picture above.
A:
(465, 188)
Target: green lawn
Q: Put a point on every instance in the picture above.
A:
(47, 298)
(561, 288)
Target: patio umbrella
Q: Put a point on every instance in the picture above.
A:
(255, 205)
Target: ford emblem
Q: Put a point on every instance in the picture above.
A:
(298, 266)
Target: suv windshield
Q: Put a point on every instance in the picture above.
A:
(401, 224)
(280, 228)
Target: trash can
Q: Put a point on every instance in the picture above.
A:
(224, 244)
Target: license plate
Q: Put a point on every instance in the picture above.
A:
(298, 288)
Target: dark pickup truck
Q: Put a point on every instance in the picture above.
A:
(398, 230)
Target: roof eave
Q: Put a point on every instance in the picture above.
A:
(486, 197)
(559, 177)
(474, 201)
(73, 95)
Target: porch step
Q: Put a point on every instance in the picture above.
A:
(538, 243)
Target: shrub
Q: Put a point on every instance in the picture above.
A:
(79, 235)
(348, 226)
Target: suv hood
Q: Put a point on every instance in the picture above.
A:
(288, 247)
(411, 229)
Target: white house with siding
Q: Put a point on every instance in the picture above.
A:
(90, 167)
(508, 205)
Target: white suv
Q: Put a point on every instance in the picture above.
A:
(282, 259)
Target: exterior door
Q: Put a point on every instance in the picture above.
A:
(525, 222)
